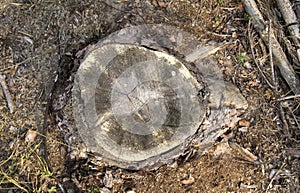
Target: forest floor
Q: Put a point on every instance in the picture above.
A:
(38, 37)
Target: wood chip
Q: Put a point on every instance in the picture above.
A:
(246, 154)
(108, 179)
(174, 165)
(30, 136)
(188, 181)
(222, 148)
(157, 3)
(244, 123)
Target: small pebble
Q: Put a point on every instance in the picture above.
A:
(245, 186)
(247, 65)
(243, 129)
(11, 144)
(234, 35)
(13, 129)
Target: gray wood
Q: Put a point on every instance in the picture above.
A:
(280, 59)
(143, 94)
(137, 104)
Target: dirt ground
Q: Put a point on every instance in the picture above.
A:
(39, 40)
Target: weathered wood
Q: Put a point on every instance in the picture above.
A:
(7, 94)
(280, 58)
(142, 93)
(290, 19)
(137, 104)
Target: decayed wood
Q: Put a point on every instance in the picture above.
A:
(9, 100)
(269, 38)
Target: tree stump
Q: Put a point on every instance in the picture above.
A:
(137, 106)
(144, 93)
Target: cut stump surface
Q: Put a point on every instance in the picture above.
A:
(137, 104)
(143, 94)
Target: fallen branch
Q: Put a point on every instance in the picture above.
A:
(280, 58)
(290, 19)
(7, 95)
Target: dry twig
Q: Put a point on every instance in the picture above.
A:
(9, 100)
(254, 58)
(275, 80)
(276, 174)
(289, 97)
(246, 154)
(290, 19)
(280, 59)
